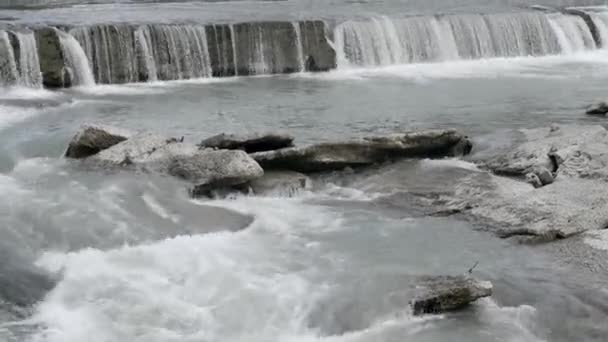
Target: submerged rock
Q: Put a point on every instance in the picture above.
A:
(255, 142)
(209, 169)
(281, 183)
(94, 138)
(600, 108)
(366, 151)
(441, 294)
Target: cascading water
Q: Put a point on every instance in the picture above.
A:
(110, 50)
(19, 63)
(600, 20)
(8, 64)
(179, 52)
(142, 37)
(387, 41)
(29, 64)
(126, 54)
(76, 60)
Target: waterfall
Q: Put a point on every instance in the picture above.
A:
(299, 46)
(19, 63)
(75, 60)
(8, 64)
(29, 64)
(388, 41)
(234, 59)
(143, 39)
(110, 50)
(126, 54)
(601, 23)
(179, 52)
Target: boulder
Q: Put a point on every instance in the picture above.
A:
(212, 169)
(280, 183)
(600, 108)
(94, 138)
(366, 151)
(251, 143)
(441, 294)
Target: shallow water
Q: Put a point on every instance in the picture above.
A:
(130, 257)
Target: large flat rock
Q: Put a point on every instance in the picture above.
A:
(367, 151)
(576, 201)
(575, 151)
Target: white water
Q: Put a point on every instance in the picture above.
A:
(387, 41)
(299, 46)
(142, 37)
(76, 60)
(600, 19)
(29, 65)
(22, 69)
(8, 72)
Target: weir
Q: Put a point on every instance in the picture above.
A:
(387, 41)
(126, 53)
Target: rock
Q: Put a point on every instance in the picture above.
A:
(320, 55)
(255, 142)
(52, 65)
(600, 108)
(545, 176)
(567, 151)
(138, 149)
(448, 293)
(367, 151)
(281, 183)
(539, 177)
(513, 209)
(210, 170)
(94, 138)
(206, 169)
(533, 179)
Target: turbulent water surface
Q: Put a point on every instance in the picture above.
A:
(96, 256)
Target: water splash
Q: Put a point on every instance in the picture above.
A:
(76, 60)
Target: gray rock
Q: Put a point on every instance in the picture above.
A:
(568, 151)
(441, 294)
(94, 138)
(600, 108)
(52, 65)
(251, 143)
(280, 183)
(512, 208)
(545, 176)
(539, 177)
(138, 149)
(367, 151)
(209, 170)
(533, 179)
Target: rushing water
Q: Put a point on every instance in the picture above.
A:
(100, 256)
